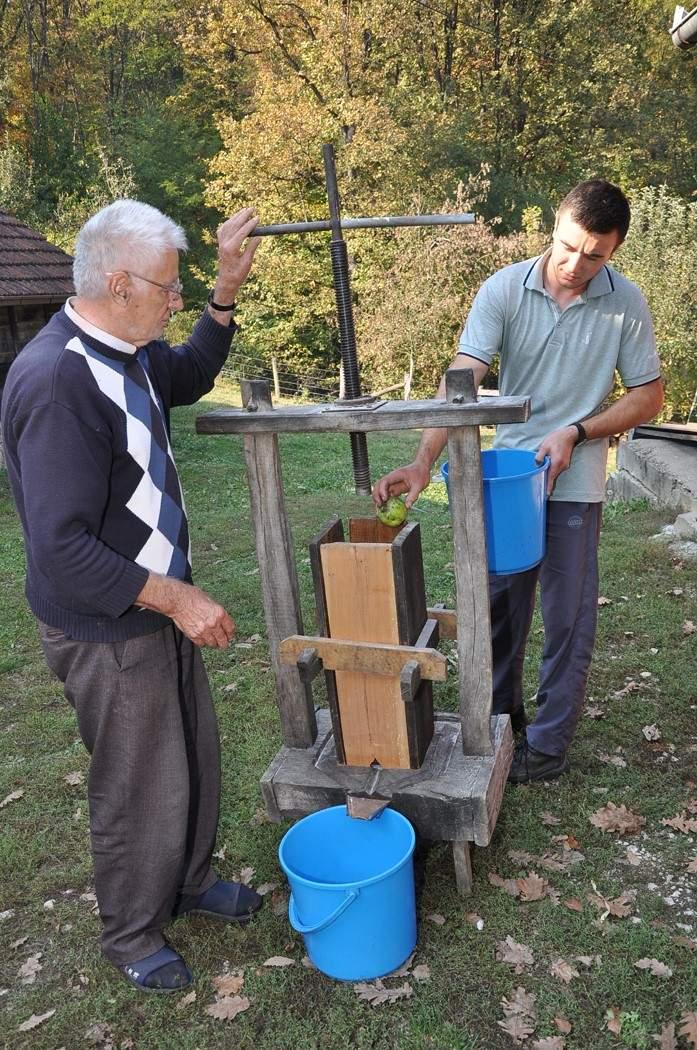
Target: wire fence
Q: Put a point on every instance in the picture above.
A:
(319, 385)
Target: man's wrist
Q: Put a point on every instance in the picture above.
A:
(581, 434)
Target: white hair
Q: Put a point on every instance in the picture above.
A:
(124, 233)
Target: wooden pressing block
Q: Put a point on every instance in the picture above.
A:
(371, 590)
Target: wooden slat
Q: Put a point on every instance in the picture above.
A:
(331, 532)
(471, 576)
(394, 415)
(370, 530)
(366, 657)
(279, 580)
(447, 618)
(361, 607)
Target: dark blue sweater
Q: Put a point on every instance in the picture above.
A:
(86, 434)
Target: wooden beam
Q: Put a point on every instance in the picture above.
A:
(277, 572)
(447, 621)
(393, 415)
(365, 657)
(471, 576)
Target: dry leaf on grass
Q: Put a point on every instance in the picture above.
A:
(613, 1019)
(435, 917)
(516, 955)
(633, 857)
(279, 902)
(521, 1002)
(666, 1038)
(562, 1025)
(186, 1001)
(620, 907)
(101, 1035)
(612, 818)
(549, 819)
(246, 876)
(573, 904)
(266, 887)
(685, 942)
(510, 886)
(681, 822)
(422, 972)
(74, 778)
(532, 887)
(593, 711)
(563, 971)
(517, 1027)
(550, 1042)
(692, 866)
(588, 960)
(688, 1027)
(227, 1008)
(689, 627)
(229, 983)
(604, 601)
(13, 797)
(405, 969)
(656, 968)
(652, 732)
(35, 1020)
(476, 920)
(376, 994)
(279, 961)
(612, 760)
(29, 969)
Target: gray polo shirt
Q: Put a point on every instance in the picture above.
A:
(564, 360)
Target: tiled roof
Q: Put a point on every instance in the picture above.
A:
(31, 269)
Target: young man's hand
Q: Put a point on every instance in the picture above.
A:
(411, 479)
(559, 446)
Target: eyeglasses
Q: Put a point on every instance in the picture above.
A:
(175, 288)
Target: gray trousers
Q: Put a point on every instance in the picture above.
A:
(146, 716)
(568, 577)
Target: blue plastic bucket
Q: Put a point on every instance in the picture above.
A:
(515, 495)
(352, 891)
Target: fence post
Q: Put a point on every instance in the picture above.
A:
(342, 382)
(408, 377)
(276, 384)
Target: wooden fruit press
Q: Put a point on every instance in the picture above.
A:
(380, 742)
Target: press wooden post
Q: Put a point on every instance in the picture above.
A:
(471, 576)
(279, 580)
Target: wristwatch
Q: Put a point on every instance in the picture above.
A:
(217, 306)
(581, 436)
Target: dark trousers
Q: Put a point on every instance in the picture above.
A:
(146, 716)
(568, 577)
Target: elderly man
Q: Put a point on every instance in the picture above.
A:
(562, 325)
(86, 429)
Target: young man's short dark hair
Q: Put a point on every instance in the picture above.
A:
(599, 207)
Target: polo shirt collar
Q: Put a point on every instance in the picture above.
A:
(602, 284)
(105, 338)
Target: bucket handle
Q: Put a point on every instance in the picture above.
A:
(300, 926)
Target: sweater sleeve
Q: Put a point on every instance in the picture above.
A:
(193, 366)
(64, 470)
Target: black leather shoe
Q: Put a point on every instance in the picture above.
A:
(530, 765)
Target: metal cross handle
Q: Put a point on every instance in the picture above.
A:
(342, 287)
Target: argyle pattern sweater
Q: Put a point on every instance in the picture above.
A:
(86, 434)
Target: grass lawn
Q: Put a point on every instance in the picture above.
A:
(644, 674)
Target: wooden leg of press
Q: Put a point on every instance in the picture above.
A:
(463, 868)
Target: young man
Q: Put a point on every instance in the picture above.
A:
(86, 430)
(562, 324)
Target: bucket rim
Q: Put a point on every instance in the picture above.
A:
(339, 886)
(538, 468)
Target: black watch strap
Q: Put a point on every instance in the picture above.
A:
(581, 436)
(217, 306)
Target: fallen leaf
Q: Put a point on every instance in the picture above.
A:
(652, 732)
(422, 972)
(476, 920)
(633, 857)
(567, 841)
(532, 887)
(13, 797)
(549, 819)
(260, 817)
(613, 1019)
(74, 778)
(246, 876)
(186, 1001)
(612, 760)
(573, 904)
(279, 961)
(376, 994)
(266, 887)
(682, 822)
(689, 1027)
(405, 969)
(630, 687)
(521, 1002)
(655, 968)
(307, 963)
(220, 854)
(510, 886)
(35, 1020)
(692, 866)
(29, 969)
(612, 818)
(604, 601)
(516, 955)
(227, 1008)
(228, 983)
(550, 1042)
(563, 1025)
(563, 971)
(591, 711)
(666, 1038)
(685, 942)
(517, 1028)
(689, 627)
(279, 902)
(100, 1034)
(620, 907)
(434, 916)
